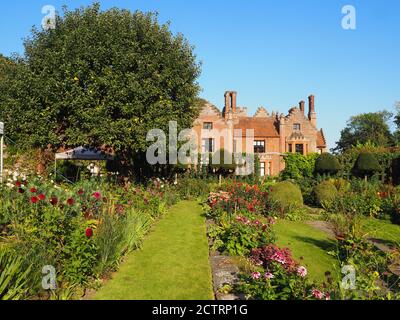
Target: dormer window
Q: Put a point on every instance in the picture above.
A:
(297, 127)
(207, 125)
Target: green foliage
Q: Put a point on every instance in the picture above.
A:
(80, 257)
(371, 265)
(238, 236)
(384, 156)
(52, 225)
(367, 164)
(298, 166)
(101, 78)
(189, 188)
(325, 193)
(285, 196)
(13, 276)
(118, 235)
(367, 127)
(327, 163)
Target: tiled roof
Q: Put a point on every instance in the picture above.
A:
(263, 127)
(321, 142)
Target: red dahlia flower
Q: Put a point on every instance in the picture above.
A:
(34, 199)
(20, 190)
(81, 192)
(70, 202)
(18, 184)
(89, 233)
(41, 197)
(33, 190)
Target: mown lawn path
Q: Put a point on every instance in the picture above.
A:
(173, 263)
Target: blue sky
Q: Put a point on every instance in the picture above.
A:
(273, 52)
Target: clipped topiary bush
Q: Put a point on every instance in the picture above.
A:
(325, 193)
(327, 163)
(366, 165)
(285, 196)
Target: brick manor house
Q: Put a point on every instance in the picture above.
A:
(274, 134)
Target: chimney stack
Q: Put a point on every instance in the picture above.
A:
(230, 102)
(301, 105)
(227, 104)
(234, 103)
(312, 116)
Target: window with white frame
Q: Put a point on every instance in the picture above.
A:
(208, 145)
(262, 169)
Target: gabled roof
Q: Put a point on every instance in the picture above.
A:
(263, 127)
(321, 142)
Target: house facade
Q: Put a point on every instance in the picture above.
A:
(269, 135)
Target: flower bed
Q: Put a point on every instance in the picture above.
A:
(81, 230)
(243, 227)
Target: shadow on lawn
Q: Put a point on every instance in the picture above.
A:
(323, 244)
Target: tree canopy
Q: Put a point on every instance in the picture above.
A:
(367, 127)
(101, 78)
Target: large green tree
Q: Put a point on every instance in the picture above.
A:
(366, 128)
(104, 79)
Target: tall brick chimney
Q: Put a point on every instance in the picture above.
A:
(234, 101)
(230, 102)
(301, 105)
(312, 116)
(227, 104)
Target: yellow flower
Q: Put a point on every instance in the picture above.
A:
(376, 274)
(76, 79)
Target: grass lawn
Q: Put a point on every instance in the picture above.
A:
(172, 265)
(309, 247)
(382, 230)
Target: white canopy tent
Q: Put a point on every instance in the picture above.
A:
(82, 153)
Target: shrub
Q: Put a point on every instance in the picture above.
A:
(327, 163)
(285, 196)
(298, 166)
(240, 235)
(341, 185)
(193, 188)
(325, 193)
(366, 164)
